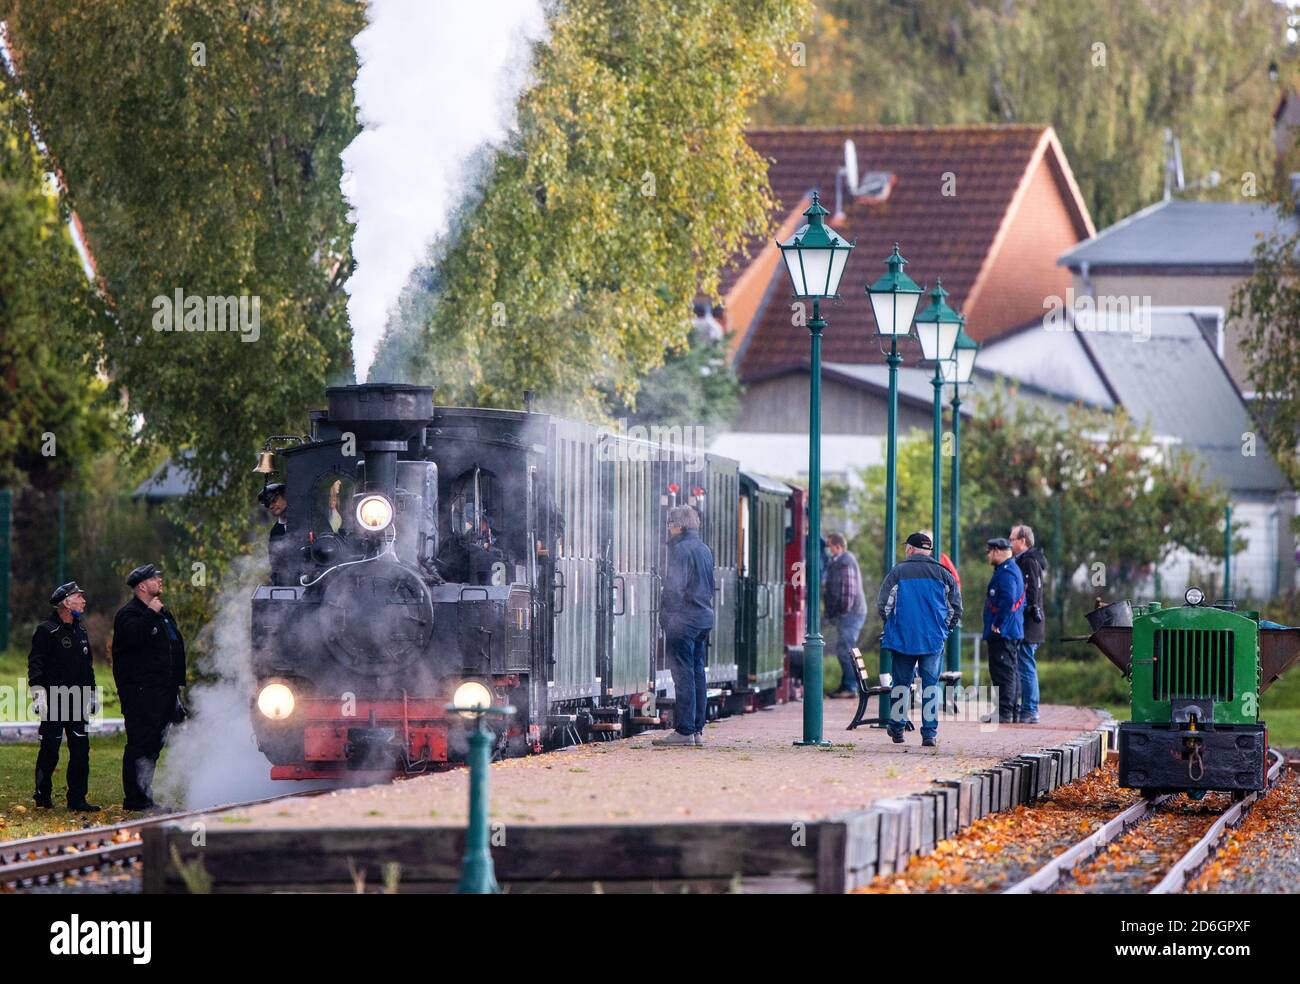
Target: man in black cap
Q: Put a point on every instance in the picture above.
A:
(278, 546)
(149, 667)
(1004, 627)
(62, 678)
(920, 604)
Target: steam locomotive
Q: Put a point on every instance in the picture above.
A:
(1197, 672)
(447, 555)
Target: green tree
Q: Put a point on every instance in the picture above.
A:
(54, 414)
(1110, 75)
(695, 387)
(1266, 310)
(199, 144)
(629, 184)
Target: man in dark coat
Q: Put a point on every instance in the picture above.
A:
(1032, 564)
(1004, 627)
(846, 609)
(686, 614)
(149, 668)
(62, 678)
(920, 604)
(279, 545)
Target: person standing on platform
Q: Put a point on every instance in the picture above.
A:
(846, 609)
(686, 614)
(920, 604)
(1004, 628)
(149, 669)
(1031, 562)
(61, 675)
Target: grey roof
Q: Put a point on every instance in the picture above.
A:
(913, 383)
(1175, 383)
(1178, 233)
(170, 480)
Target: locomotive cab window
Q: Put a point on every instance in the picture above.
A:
(330, 500)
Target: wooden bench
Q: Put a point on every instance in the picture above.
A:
(865, 693)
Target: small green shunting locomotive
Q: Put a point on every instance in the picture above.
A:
(1196, 674)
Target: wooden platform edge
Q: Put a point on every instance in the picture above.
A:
(830, 856)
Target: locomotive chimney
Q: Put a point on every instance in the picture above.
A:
(383, 417)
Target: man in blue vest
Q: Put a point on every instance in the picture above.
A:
(920, 604)
(1004, 627)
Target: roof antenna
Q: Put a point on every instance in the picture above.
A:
(1173, 164)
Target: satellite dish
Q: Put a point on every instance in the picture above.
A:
(851, 166)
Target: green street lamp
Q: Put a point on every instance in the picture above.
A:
(894, 299)
(815, 257)
(958, 372)
(937, 327)
(473, 700)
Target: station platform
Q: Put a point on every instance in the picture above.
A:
(748, 812)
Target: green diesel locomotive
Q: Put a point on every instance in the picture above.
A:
(1196, 674)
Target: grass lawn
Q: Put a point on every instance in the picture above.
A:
(19, 816)
(13, 670)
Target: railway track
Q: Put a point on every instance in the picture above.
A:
(1052, 876)
(40, 860)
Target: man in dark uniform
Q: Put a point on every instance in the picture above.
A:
(279, 548)
(62, 678)
(149, 667)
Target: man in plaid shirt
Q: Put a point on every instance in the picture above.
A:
(846, 608)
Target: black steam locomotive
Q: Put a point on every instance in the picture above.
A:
(436, 555)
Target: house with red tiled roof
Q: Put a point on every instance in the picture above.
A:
(987, 208)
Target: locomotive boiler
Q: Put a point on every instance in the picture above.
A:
(1196, 674)
(437, 555)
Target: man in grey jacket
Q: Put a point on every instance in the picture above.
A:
(846, 609)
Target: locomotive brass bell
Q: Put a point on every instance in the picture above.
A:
(265, 463)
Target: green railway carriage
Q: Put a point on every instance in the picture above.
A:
(760, 635)
(1196, 673)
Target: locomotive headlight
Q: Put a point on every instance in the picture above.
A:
(1194, 596)
(275, 701)
(471, 693)
(374, 513)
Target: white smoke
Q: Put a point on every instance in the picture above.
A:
(212, 758)
(437, 81)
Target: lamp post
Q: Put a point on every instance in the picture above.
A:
(477, 874)
(937, 327)
(894, 299)
(815, 257)
(958, 372)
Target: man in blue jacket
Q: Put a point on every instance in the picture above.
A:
(920, 605)
(1004, 627)
(686, 614)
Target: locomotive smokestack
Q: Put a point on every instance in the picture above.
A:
(383, 417)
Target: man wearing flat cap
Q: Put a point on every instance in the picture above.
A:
(920, 604)
(1004, 627)
(62, 678)
(149, 667)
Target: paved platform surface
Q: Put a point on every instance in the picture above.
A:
(749, 770)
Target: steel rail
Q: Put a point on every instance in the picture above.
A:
(1200, 852)
(1047, 877)
(22, 861)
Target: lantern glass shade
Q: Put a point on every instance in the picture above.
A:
(894, 311)
(816, 255)
(938, 338)
(937, 327)
(961, 367)
(894, 298)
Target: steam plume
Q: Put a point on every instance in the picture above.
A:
(437, 80)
